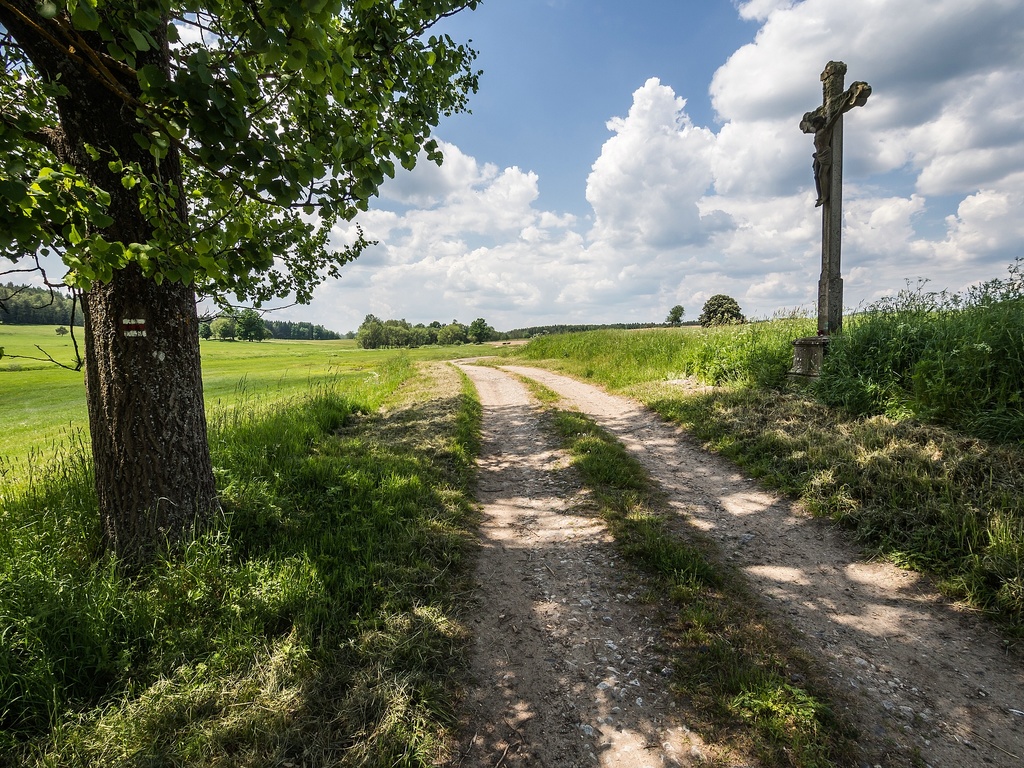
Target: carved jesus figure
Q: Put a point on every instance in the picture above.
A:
(821, 126)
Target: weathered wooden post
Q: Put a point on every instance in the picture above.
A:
(826, 123)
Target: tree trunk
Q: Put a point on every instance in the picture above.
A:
(154, 478)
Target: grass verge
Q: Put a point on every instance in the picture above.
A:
(758, 354)
(920, 495)
(731, 662)
(317, 625)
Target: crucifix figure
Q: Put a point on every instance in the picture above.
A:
(826, 123)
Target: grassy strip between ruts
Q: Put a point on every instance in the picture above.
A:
(316, 625)
(731, 662)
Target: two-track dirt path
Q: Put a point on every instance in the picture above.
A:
(565, 662)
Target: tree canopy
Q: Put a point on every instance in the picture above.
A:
(721, 310)
(164, 147)
(480, 332)
(285, 116)
(249, 326)
(675, 315)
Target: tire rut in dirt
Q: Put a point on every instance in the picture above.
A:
(921, 676)
(565, 664)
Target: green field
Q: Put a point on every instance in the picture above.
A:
(42, 405)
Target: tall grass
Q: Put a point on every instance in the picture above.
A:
(315, 624)
(955, 359)
(757, 353)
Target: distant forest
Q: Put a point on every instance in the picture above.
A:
(285, 329)
(29, 305)
(375, 333)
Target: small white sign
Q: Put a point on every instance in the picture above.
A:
(133, 326)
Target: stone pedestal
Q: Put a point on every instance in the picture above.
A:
(808, 354)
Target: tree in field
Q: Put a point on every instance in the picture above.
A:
(62, 331)
(479, 331)
(249, 326)
(205, 331)
(371, 333)
(453, 333)
(675, 315)
(165, 147)
(224, 328)
(721, 310)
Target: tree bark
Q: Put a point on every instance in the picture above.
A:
(154, 478)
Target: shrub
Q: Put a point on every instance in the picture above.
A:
(956, 359)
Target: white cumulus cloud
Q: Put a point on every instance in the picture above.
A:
(934, 171)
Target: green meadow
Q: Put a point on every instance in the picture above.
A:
(316, 622)
(43, 405)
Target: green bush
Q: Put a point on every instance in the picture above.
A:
(955, 359)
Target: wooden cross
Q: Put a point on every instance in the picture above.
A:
(826, 123)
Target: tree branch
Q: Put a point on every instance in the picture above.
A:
(49, 359)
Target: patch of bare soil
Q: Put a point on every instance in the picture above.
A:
(565, 661)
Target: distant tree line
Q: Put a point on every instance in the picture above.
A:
(248, 325)
(375, 333)
(30, 305)
(285, 329)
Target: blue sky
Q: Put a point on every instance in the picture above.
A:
(555, 72)
(621, 158)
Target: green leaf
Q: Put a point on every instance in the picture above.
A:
(141, 43)
(85, 17)
(151, 77)
(13, 190)
(47, 9)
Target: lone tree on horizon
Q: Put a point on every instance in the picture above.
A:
(164, 147)
(675, 315)
(721, 310)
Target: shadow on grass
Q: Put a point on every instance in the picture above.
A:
(922, 496)
(317, 625)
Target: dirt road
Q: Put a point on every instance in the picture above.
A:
(565, 661)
